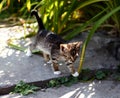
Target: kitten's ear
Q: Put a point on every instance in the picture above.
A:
(78, 44)
(63, 48)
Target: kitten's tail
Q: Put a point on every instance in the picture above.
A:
(39, 20)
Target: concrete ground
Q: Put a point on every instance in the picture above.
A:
(16, 66)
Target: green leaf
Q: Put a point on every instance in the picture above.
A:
(82, 27)
(28, 5)
(24, 88)
(96, 25)
(100, 75)
(88, 2)
(20, 48)
(53, 83)
(74, 7)
(1, 4)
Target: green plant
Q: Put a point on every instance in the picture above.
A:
(111, 23)
(53, 83)
(21, 7)
(91, 33)
(116, 76)
(114, 19)
(100, 75)
(67, 81)
(58, 15)
(24, 88)
(71, 80)
(2, 3)
(86, 75)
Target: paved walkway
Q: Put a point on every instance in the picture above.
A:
(16, 66)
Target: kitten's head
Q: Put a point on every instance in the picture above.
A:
(70, 51)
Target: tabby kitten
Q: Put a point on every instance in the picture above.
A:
(54, 48)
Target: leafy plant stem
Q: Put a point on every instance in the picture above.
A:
(97, 24)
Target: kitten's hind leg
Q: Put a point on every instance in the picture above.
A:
(46, 57)
(29, 50)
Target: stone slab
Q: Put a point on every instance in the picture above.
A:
(16, 66)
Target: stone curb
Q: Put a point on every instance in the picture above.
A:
(43, 84)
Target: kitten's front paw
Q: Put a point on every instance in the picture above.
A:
(29, 53)
(49, 62)
(76, 74)
(57, 72)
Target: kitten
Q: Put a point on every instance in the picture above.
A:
(54, 48)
